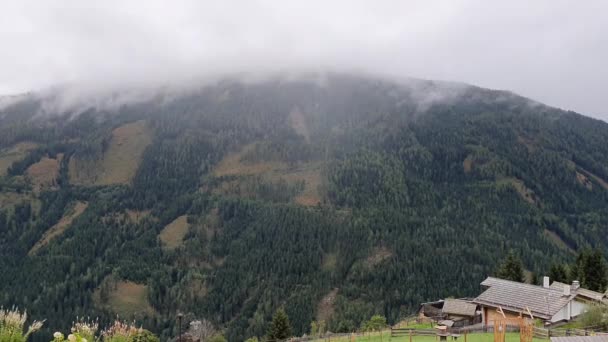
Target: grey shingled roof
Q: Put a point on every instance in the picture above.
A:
(514, 296)
(599, 338)
(459, 307)
(580, 291)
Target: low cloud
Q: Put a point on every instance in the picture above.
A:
(552, 51)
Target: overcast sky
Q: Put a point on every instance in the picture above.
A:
(553, 51)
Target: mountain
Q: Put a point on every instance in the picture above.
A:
(335, 197)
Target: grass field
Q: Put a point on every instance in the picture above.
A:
(524, 192)
(310, 173)
(60, 226)
(120, 161)
(10, 155)
(386, 336)
(172, 236)
(44, 173)
(126, 299)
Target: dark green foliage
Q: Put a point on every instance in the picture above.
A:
(144, 336)
(218, 338)
(558, 272)
(590, 270)
(511, 268)
(280, 327)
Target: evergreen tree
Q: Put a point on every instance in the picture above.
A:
(558, 272)
(594, 270)
(280, 328)
(511, 269)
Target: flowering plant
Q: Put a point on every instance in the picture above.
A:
(12, 323)
(120, 332)
(82, 331)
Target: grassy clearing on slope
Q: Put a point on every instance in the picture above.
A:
(297, 121)
(12, 198)
(126, 299)
(522, 190)
(310, 173)
(172, 236)
(558, 241)
(583, 180)
(44, 173)
(119, 162)
(137, 216)
(599, 180)
(326, 306)
(378, 255)
(15, 153)
(59, 227)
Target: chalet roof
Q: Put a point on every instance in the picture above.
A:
(580, 291)
(598, 338)
(518, 297)
(447, 322)
(459, 307)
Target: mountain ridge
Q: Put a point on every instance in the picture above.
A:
(272, 194)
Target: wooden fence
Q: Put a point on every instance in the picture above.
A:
(397, 332)
(544, 333)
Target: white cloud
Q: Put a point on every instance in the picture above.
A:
(553, 51)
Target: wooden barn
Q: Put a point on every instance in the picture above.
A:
(461, 312)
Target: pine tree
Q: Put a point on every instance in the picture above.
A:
(511, 269)
(594, 269)
(280, 328)
(558, 272)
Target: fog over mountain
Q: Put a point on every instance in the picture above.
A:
(226, 161)
(551, 51)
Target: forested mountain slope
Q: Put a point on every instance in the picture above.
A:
(336, 198)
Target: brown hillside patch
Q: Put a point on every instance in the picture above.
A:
(310, 173)
(212, 223)
(524, 192)
(44, 173)
(15, 153)
(297, 121)
(528, 277)
(60, 226)
(326, 307)
(529, 143)
(553, 237)
(136, 216)
(12, 198)
(232, 164)
(173, 234)
(378, 255)
(83, 172)
(599, 180)
(124, 298)
(467, 164)
(197, 288)
(120, 161)
(330, 261)
(583, 180)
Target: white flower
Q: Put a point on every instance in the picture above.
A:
(58, 335)
(71, 338)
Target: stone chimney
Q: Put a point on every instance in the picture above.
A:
(575, 285)
(546, 282)
(566, 290)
